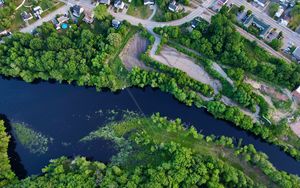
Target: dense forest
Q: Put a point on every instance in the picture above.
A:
(220, 41)
(157, 152)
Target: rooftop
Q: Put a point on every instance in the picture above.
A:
(259, 23)
(296, 53)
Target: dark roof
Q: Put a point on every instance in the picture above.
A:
(25, 15)
(259, 23)
(76, 8)
(118, 2)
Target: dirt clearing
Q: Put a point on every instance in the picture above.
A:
(133, 49)
(172, 58)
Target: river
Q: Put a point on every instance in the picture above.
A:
(67, 113)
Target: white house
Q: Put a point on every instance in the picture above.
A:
(279, 12)
(37, 11)
(173, 6)
(119, 4)
(106, 2)
(149, 2)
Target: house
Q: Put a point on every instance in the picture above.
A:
(77, 10)
(37, 11)
(149, 2)
(59, 20)
(119, 4)
(1, 3)
(261, 3)
(263, 27)
(296, 53)
(5, 33)
(279, 12)
(116, 23)
(88, 16)
(106, 2)
(173, 6)
(26, 16)
(296, 93)
(195, 22)
(283, 22)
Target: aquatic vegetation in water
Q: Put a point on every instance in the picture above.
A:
(32, 140)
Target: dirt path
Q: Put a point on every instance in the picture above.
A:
(171, 57)
(133, 49)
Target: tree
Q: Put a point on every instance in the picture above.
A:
(100, 12)
(114, 39)
(273, 9)
(276, 44)
(249, 12)
(241, 8)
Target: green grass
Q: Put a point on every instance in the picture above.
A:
(160, 133)
(138, 9)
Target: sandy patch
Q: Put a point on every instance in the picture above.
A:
(131, 52)
(172, 58)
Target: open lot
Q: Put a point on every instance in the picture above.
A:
(171, 57)
(134, 48)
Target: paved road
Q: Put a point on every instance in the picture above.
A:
(289, 35)
(62, 10)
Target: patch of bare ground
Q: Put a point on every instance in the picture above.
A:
(296, 128)
(172, 58)
(132, 51)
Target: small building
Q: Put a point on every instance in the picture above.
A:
(296, 53)
(37, 11)
(195, 22)
(1, 3)
(60, 20)
(263, 27)
(296, 93)
(106, 2)
(279, 12)
(149, 2)
(283, 22)
(261, 3)
(119, 4)
(26, 16)
(116, 23)
(5, 33)
(77, 10)
(88, 16)
(173, 6)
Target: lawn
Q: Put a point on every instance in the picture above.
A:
(138, 9)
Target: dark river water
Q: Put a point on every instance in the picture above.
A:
(67, 113)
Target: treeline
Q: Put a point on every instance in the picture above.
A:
(76, 55)
(6, 174)
(220, 41)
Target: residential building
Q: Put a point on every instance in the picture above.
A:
(1, 3)
(296, 53)
(279, 12)
(263, 27)
(261, 3)
(296, 93)
(119, 4)
(106, 2)
(59, 20)
(283, 22)
(173, 6)
(88, 16)
(116, 23)
(149, 2)
(26, 16)
(37, 11)
(77, 10)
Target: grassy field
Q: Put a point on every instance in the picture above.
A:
(138, 9)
